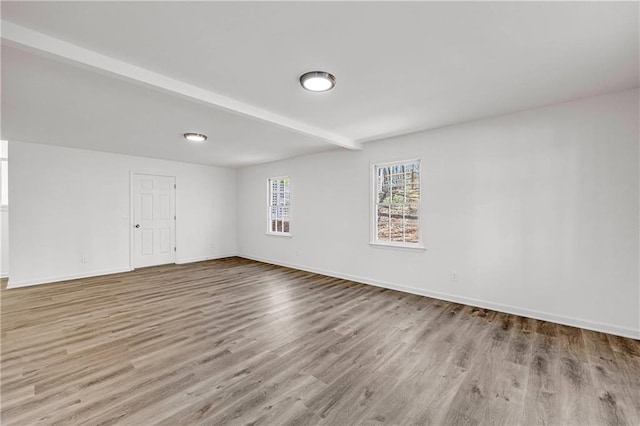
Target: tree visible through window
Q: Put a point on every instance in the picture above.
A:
(279, 207)
(397, 203)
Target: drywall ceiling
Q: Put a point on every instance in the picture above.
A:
(401, 67)
(47, 101)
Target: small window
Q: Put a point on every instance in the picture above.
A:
(4, 174)
(397, 204)
(279, 206)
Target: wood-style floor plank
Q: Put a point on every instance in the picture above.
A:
(233, 341)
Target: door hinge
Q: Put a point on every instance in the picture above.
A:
(174, 186)
(174, 249)
(174, 217)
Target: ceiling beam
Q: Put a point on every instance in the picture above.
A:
(26, 39)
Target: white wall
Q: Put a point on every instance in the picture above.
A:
(4, 242)
(68, 203)
(536, 211)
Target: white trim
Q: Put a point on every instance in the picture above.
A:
(4, 275)
(417, 247)
(39, 43)
(49, 280)
(279, 234)
(204, 258)
(514, 310)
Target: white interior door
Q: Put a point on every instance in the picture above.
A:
(153, 220)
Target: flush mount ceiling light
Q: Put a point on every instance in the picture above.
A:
(317, 81)
(195, 137)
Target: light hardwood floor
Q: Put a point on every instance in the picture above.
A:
(234, 341)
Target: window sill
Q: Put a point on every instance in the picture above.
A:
(273, 234)
(401, 247)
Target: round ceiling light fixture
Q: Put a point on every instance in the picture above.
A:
(195, 137)
(317, 81)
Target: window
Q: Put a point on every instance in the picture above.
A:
(397, 204)
(4, 174)
(279, 206)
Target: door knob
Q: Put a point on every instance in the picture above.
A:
(137, 225)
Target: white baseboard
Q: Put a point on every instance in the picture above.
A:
(203, 258)
(4, 275)
(530, 313)
(48, 280)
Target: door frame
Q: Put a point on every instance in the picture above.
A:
(132, 174)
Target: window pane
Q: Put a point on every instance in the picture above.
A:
(384, 190)
(397, 180)
(397, 201)
(383, 214)
(382, 220)
(411, 231)
(413, 192)
(411, 212)
(397, 192)
(396, 212)
(396, 230)
(279, 205)
(396, 227)
(411, 223)
(383, 231)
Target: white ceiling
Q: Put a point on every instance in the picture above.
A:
(400, 68)
(47, 101)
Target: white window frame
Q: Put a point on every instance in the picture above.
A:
(374, 209)
(269, 231)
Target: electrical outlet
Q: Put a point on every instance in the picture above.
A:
(454, 276)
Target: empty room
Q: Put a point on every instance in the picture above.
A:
(320, 213)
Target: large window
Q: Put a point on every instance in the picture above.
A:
(279, 206)
(4, 174)
(397, 204)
